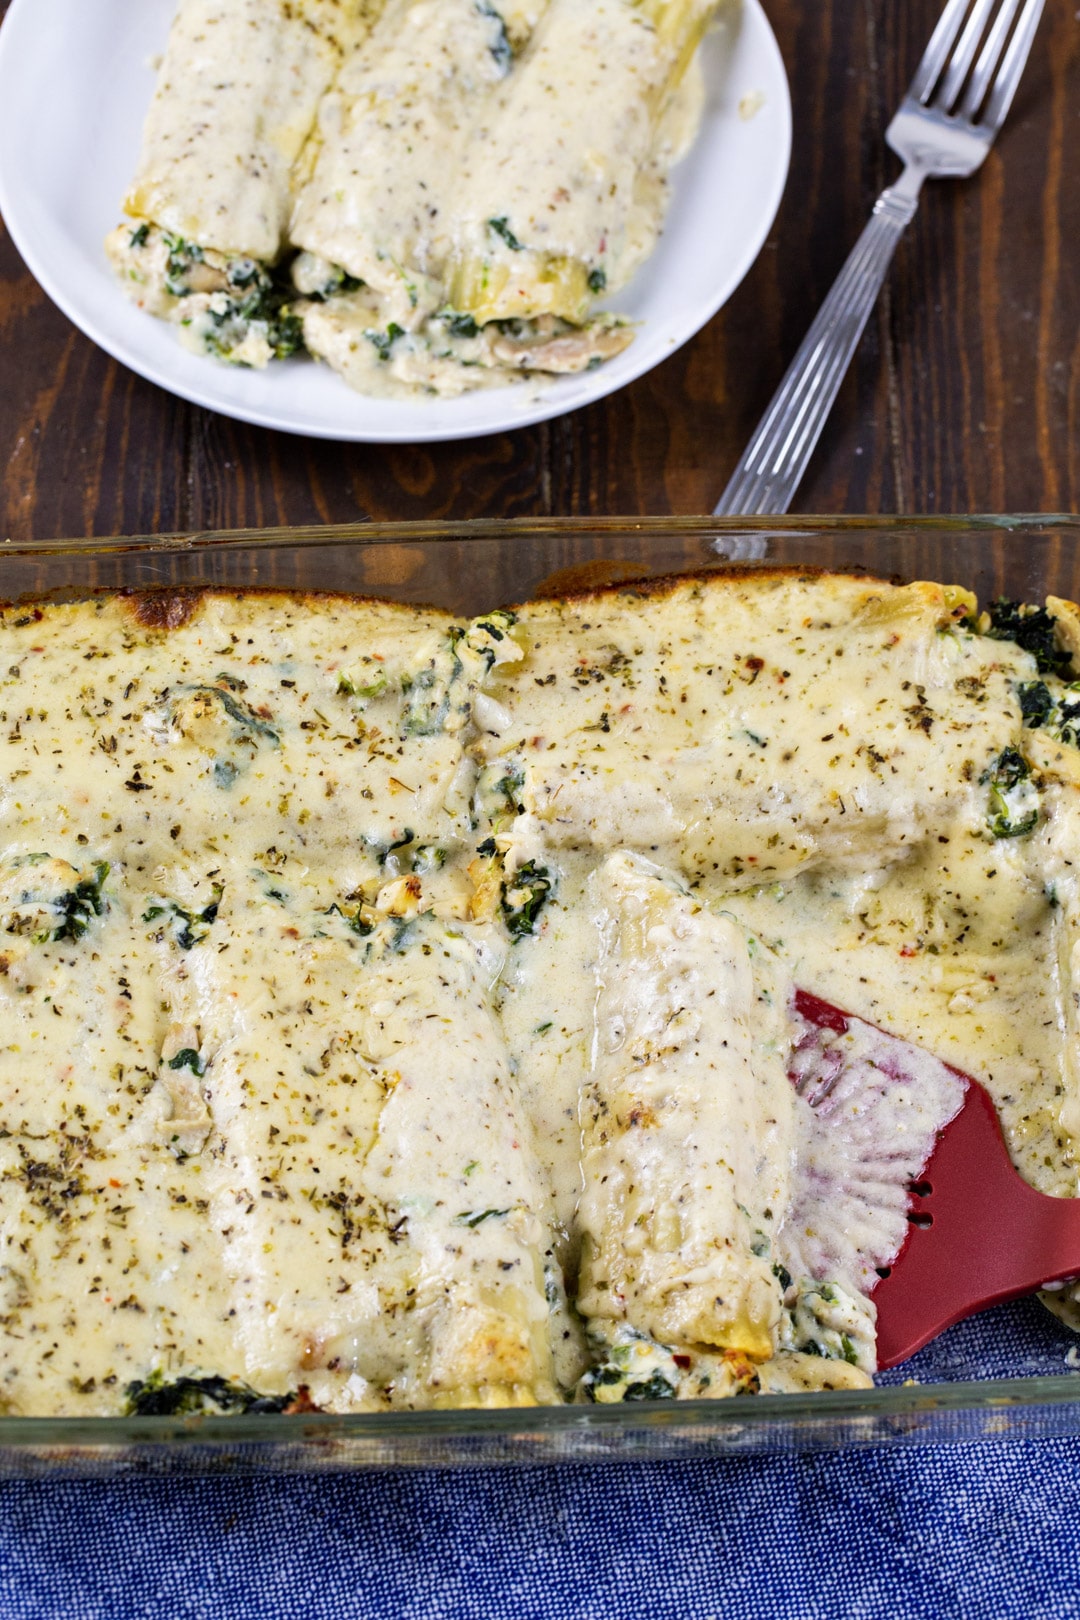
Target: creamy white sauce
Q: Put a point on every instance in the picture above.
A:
(371, 978)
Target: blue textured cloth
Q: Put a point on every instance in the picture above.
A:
(975, 1530)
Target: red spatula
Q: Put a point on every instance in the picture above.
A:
(977, 1234)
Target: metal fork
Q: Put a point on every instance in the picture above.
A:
(936, 134)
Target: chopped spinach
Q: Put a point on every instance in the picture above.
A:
(354, 686)
(497, 625)
(179, 1397)
(382, 852)
(139, 235)
(458, 325)
(241, 713)
(286, 335)
(80, 905)
(500, 46)
(1036, 702)
(523, 897)
(440, 695)
(243, 273)
(1013, 809)
(597, 280)
(384, 341)
(429, 690)
(189, 927)
(655, 1388)
(1060, 716)
(504, 788)
(355, 919)
(402, 933)
(338, 281)
(252, 298)
(55, 916)
(1033, 629)
(501, 227)
(181, 256)
(188, 1058)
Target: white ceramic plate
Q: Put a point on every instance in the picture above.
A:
(75, 82)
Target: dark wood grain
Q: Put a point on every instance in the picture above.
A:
(965, 395)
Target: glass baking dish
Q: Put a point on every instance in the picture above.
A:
(1008, 1374)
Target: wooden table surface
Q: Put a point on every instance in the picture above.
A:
(965, 395)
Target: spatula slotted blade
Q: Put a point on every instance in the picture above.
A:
(977, 1233)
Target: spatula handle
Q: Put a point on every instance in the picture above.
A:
(776, 458)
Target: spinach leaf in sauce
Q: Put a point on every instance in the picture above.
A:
(245, 717)
(523, 898)
(458, 325)
(501, 227)
(66, 913)
(1013, 808)
(188, 1058)
(190, 928)
(384, 341)
(500, 46)
(80, 905)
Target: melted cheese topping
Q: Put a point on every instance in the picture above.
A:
(372, 983)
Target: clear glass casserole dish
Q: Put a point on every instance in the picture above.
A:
(953, 1390)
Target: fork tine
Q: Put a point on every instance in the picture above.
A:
(1008, 75)
(962, 57)
(936, 53)
(988, 61)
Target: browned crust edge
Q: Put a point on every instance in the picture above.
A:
(170, 607)
(661, 585)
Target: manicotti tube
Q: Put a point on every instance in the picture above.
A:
(548, 212)
(392, 136)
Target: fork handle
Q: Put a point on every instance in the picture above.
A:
(773, 464)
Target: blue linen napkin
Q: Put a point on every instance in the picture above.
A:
(972, 1531)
